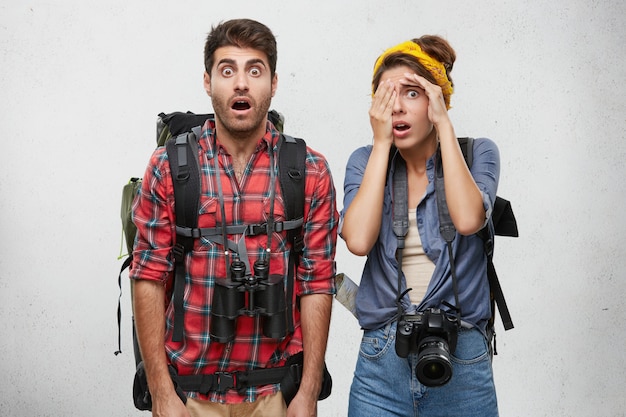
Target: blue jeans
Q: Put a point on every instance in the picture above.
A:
(385, 385)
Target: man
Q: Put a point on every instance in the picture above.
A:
(238, 165)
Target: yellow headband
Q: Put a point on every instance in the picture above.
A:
(433, 66)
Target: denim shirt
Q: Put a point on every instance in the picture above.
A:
(378, 289)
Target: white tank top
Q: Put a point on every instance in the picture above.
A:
(417, 267)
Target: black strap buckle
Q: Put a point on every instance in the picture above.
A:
(224, 381)
(298, 243)
(296, 372)
(178, 252)
(256, 229)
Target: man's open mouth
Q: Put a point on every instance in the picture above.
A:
(241, 105)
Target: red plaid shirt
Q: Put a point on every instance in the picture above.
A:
(245, 202)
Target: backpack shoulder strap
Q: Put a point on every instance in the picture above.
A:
(291, 171)
(182, 152)
(504, 224)
(467, 147)
(448, 231)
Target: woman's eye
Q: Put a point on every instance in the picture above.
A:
(413, 94)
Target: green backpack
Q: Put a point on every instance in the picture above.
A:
(179, 132)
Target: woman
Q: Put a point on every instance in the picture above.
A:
(431, 287)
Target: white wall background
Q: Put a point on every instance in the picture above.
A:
(81, 83)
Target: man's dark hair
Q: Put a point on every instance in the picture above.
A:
(242, 33)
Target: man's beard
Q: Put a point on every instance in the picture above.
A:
(241, 128)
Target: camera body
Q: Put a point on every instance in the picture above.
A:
(265, 297)
(432, 334)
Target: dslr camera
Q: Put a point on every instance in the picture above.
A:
(432, 334)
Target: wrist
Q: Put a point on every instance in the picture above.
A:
(382, 145)
(160, 383)
(311, 387)
(445, 130)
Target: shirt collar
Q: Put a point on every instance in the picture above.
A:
(207, 140)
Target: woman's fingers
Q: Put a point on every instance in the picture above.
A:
(437, 109)
(381, 111)
(383, 99)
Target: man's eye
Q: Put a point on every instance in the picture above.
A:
(227, 72)
(255, 72)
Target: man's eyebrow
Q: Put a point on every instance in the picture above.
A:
(226, 61)
(230, 61)
(255, 61)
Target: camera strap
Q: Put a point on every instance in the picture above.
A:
(401, 223)
(400, 220)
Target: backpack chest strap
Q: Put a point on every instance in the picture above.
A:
(243, 229)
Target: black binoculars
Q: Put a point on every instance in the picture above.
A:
(265, 297)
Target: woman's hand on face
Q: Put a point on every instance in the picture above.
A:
(381, 112)
(437, 111)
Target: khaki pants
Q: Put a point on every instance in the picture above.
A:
(265, 406)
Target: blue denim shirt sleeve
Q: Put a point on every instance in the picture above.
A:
(355, 169)
(486, 171)
(378, 288)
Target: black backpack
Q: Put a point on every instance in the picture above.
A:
(178, 132)
(504, 224)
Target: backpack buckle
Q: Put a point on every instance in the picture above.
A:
(256, 229)
(298, 243)
(178, 252)
(224, 381)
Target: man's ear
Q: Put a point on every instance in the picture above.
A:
(207, 83)
(274, 84)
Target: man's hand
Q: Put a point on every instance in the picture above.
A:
(150, 324)
(315, 319)
(168, 405)
(302, 406)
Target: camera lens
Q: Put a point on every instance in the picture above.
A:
(433, 367)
